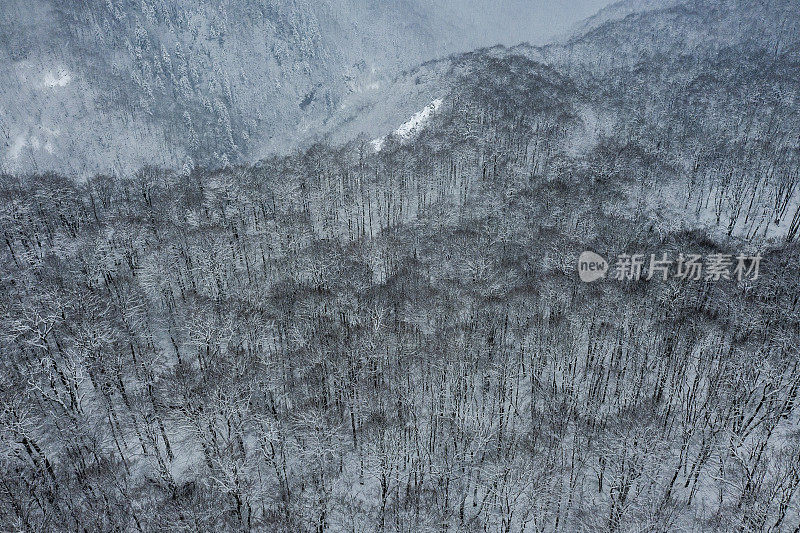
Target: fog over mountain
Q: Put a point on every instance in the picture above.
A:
(107, 85)
(369, 266)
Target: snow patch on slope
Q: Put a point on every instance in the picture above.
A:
(412, 127)
(377, 144)
(418, 121)
(60, 79)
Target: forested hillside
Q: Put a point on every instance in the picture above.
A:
(394, 337)
(107, 86)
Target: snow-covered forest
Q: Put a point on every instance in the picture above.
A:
(389, 333)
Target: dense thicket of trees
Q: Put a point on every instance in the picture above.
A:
(345, 340)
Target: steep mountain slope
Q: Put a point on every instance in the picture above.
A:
(179, 83)
(197, 81)
(717, 83)
(689, 28)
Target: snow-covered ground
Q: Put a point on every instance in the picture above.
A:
(411, 127)
(59, 79)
